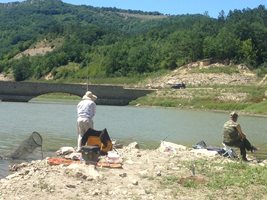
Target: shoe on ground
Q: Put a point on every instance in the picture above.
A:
(253, 149)
(245, 160)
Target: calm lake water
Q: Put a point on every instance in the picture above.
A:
(56, 122)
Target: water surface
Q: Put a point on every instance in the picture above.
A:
(56, 122)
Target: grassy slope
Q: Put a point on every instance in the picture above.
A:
(207, 99)
(246, 98)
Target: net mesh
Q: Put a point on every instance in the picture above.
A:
(28, 146)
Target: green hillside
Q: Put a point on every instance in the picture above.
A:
(66, 42)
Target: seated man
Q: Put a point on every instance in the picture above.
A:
(233, 136)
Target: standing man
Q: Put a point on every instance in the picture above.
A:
(86, 110)
(233, 136)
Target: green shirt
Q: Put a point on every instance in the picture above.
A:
(230, 132)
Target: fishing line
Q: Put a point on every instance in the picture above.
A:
(87, 78)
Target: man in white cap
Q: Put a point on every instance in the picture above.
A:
(86, 110)
(234, 136)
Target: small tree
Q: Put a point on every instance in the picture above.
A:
(248, 54)
(21, 69)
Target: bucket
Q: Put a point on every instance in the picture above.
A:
(90, 154)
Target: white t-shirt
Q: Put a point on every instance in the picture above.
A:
(86, 109)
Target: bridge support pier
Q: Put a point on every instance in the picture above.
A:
(14, 98)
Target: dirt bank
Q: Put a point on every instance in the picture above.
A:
(205, 74)
(145, 174)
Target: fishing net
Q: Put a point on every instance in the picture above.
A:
(28, 146)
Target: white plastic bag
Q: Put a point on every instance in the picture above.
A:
(170, 147)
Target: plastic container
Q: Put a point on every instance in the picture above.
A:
(113, 157)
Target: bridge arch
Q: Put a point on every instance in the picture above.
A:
(107, 94)
(57, 96)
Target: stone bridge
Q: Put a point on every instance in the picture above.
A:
(107, 94)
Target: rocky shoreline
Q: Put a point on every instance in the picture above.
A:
(163, 173)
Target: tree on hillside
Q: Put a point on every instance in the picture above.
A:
(115, 42)
(22, 69)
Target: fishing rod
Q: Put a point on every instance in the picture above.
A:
(87, 89)
(163, 140)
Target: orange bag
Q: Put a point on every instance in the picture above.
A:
(98, 138)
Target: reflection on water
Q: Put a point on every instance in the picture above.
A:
(56, 122)
(4, 168)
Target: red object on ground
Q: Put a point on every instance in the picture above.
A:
(59, 161)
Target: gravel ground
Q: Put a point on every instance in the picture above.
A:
(145, 174)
